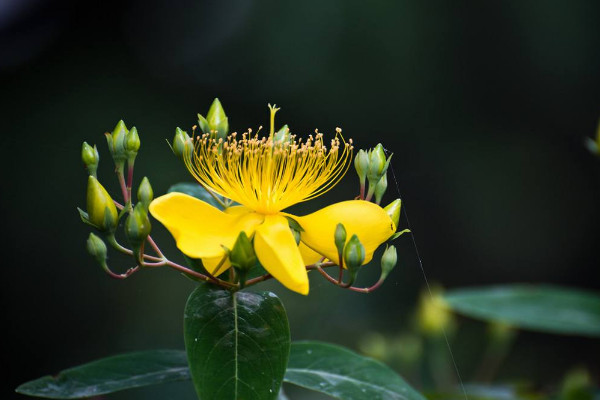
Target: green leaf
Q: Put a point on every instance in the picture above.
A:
(322, 367)
(237, 343)
(343, 374)
(398, 234)
(112, 374)
(541, 308)
(197, 191)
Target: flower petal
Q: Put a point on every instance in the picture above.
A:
(200, 229)
(367, 220)
(277, 251)
(308, 255)
(211, 264)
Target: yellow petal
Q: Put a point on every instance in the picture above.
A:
(277, 251)
(211, 264)
(308, 255)
(367, 220)
(237, 210)
(200, 229)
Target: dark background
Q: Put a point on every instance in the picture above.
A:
(485, 106)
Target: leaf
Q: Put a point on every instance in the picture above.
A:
(542, 308)
(325, 368)
(398, 234)
(237, 343)
(197, 191)
(112, 374)
(343, 374)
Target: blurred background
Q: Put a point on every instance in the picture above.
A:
(485, 106)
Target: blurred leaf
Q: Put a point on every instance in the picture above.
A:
(111, 374)
(237, 343)
(197, 191)
(483, 392)
(541, 308)
(343, 374)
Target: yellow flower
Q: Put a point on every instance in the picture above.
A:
(266, 177)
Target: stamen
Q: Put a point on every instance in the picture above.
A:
(266, 176)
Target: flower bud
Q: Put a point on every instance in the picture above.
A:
(340, 238)
(97, 248)
(377, 163)
(137, 226)
(388, 261)
(101, 209)
(393, 210)
(116, 143)
(378, 166)
(242, 255)
(433, 316)
(361, 163)
(132, 143)
(354, 256)
(180, 143)
(282, 136)
(145, 194)
(216, 122)
(380, 188)
(90, 158)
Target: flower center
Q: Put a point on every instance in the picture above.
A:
(268, 175)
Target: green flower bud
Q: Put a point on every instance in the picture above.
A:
(97, 249)
(132, 143)
(377, 162)
(116, 143)
(393, 210)
(282, 136)
(203, 124)
(378, 166)
(361, 163)
(388, 261)
(340, 238)
(145, 194)
(380, 188)
(137, 226)
(354, 256)
(101, 209)
(242, 256)
(180, 141)
(216, 122)
(90, 158)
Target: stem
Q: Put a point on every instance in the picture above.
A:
(155, 247)
(308, 268)
(326, 275)
(367, 290)
(129, 178)
(116, 245)
(370, 192)
(258, 279)
(127, 274)
(362, 190)
(149, 238)
(122, 183)
(199, 275)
